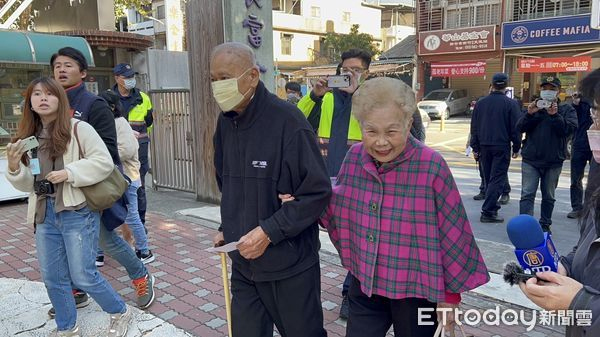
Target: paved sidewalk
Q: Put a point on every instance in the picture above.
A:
(188, 279)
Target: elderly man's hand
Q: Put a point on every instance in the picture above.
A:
(555, 293)
(253, 244)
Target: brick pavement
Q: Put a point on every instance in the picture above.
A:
(188, 279)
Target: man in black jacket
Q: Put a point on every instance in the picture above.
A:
(544, 148)
(70, 68)
(581, 154)
(493, 129)
(265, 147)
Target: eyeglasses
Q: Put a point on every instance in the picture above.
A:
(353, 69)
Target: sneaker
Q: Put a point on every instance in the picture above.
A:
(99, 260)
(345, 308)
(81, 300)
(504, 199)
(145, 257)
(479, 196)
(144, 288)
(119, 323)
(574, 215)
(74, 332)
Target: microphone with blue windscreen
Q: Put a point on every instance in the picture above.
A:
(534, 248)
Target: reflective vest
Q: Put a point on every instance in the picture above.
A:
(306, 105)
(137, 115)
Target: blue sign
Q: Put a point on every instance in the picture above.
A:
(549, 32)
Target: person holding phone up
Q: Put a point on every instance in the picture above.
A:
(547, 125)
(66, 230)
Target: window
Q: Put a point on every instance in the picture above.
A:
(160, 12)
(346, 17)
(450, 14)
(535, 9)
(288, 6)
(286, 44)
(315, 11)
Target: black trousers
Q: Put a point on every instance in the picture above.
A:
(495, 161)
(505, 190)
(373, 316)
(292, 304)
(141, 192)
(579, 159)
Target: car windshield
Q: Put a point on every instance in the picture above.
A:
(437, 96)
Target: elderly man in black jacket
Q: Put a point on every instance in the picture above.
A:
(544, 148)
(265, 147)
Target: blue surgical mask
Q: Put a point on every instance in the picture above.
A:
(129, 83)
(548, 95)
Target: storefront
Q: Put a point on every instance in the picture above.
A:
(464, 58)
(563, 47)
(24, 57)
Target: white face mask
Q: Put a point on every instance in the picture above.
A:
(576, 101)
(129, 83)
(548, 95)
(227, 93)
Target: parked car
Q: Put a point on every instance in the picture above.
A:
(445, 102)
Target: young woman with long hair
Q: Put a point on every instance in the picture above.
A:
(66, 230)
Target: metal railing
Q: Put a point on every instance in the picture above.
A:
(517, 10)
(172, 153)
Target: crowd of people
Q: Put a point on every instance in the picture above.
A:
(351, 160)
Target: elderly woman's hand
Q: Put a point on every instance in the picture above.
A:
(448, 318)
(555, 293)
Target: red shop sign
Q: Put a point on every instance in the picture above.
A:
(458, 69)
(555, 65)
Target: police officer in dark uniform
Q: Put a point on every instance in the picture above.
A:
(493, 129)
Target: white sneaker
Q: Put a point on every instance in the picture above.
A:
(119, 323)
(74, 332)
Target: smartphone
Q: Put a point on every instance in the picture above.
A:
(338, 81)
(30, 143)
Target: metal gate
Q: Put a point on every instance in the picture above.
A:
(172, 140)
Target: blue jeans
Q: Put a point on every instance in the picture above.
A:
(115, 247)
(133, 218)
(66, 249)
(547, 179)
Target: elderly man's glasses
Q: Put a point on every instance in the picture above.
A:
(353, 69)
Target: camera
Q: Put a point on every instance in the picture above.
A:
(543, 104)
(43, 187)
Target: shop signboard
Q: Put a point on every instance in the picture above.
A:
(458, 69)
(453, 41)
(567, 30)
(555, 65)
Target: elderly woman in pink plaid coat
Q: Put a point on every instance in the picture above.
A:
(398, 222)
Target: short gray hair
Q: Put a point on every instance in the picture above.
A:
(237, 49)
(381, 91)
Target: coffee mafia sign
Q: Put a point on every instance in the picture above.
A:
(549, 32)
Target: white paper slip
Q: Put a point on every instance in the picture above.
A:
(230, 247)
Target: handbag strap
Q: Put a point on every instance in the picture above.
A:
(77, 139)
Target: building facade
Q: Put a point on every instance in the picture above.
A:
(463, 43)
